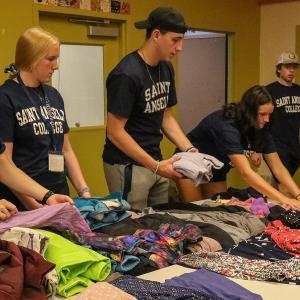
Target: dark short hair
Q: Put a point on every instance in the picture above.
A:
(278, 67)
(150, 30)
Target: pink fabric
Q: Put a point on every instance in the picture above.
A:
(206, 244)
(103, 291)
(237, 202)
(63, 217)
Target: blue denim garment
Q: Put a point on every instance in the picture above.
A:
(97, 213)
(128, 263)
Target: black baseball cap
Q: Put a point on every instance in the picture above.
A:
(164, 18)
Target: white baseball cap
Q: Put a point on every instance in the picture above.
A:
(287, 58)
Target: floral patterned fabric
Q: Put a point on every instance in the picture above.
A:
(167, 244)
(239, 267)
(286, 238)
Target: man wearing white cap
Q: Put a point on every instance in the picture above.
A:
(285, 119)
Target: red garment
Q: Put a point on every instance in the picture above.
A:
(286, 238)
(22, 273)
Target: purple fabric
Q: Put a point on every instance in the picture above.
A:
(213, 284)
(259, 207)
(152, 290)
(61, 217)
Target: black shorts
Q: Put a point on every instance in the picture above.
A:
(291, 163)
(219, 175)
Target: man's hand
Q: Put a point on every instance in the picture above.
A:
(166, 168)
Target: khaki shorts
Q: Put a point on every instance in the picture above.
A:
(147, 189)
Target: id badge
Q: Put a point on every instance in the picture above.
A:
(56, 162)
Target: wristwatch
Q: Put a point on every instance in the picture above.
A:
(46, 197)
(83, 190)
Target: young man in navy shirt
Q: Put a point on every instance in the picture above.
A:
(285, 120)
(140, 95)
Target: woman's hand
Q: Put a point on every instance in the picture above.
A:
(58, 198)
(86, 195)
(256, 159)
(289, 203)
(7, 209)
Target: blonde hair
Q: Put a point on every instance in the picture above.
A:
(32, 46)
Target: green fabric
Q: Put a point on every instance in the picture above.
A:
(73, 286)
(76, 266)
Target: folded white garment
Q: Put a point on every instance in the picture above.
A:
(197, 166)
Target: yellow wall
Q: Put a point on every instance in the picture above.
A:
(241, 18)
(277, 34)
(15, 17)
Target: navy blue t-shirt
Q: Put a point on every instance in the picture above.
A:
(220, 137)
(285, 120)
(139, 93)
(21, 123)
(2, 147)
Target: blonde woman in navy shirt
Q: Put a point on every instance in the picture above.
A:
(33, 122)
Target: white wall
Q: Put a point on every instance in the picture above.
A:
(202, 74)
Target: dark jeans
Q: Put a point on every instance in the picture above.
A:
(291, 162)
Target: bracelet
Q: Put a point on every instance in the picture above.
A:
(157, 166)
(46, 197)
(83, 190)
(189, 149)
(296, 197)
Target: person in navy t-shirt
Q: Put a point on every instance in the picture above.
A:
(140, 96)
(285, 120)
(232, 135)
(33, 122)
(19, 181)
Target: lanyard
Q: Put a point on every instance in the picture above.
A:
(48, 123)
